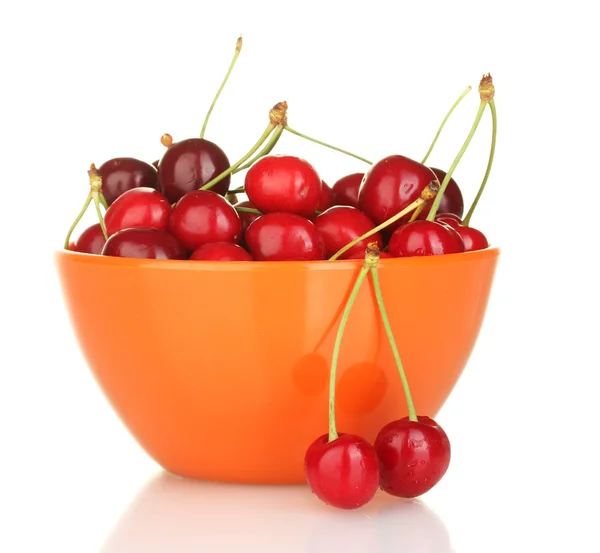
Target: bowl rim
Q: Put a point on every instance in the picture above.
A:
(254, 266)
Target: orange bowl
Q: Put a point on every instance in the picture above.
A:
(220, 370)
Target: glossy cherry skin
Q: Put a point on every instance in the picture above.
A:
(91, 240)
(284, 237)
(326, 198)
(413, 456)
(124, 173)
(340, 225)
(390, 185)
(343, 473)
(244, 216)
(449, 219)
(421, 238)
(190, 164)
(138, 207)
(145, 243)
(203, 216)
(283, 184)
(221, 251)
(452, 199)
(473, 239)
(346, 189)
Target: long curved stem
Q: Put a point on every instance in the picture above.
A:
(238, 48)
(466, 91)
(412, 414)
(287, 128)
(467, 219)
(265, 151)
(77, 219)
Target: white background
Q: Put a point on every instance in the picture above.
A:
(84, 82)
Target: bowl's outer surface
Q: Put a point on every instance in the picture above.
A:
(220, 370)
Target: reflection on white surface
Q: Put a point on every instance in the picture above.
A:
(171, 514)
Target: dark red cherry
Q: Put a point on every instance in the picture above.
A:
(145, 243)
(91, 240)
(203, 216)
(390, 185)
(283, 184)
(244, 216)
(449, 218)
(343, 473)
(346, 189)
(413, 456)
(452, 199)
(138, 207)
(473, 239)
(425, 238)
(284, 237)
(340, 225)
(221, 251)
(190, 164)
(124, 173)
(327, 197)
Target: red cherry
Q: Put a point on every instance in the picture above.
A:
(244, 216)
(203, 216)
(190, 164)
(473, 239)
(284, 237)
(145, 243)
(91, 240)
(390, 185)
(124, 173)
(343, 473)
(452, 200)
(221, 251)
(138, 207)
(283, 184)
(413, 456)
(425, 238)
(327, 197)
(340, 225)
(449, 219)
(346, 189)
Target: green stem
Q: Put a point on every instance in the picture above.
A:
(238, 47)
(247, 210)
(467, 219)
(412, 415)
(438, 198)
(103, 200)
(240, 190)
(78, 218)
(97, 202)
(265, 151)
(327, 145)
(231, 169)
(336, 350)
(466, 91)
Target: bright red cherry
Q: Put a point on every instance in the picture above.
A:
(413, 456)
(452, 199)
(425, 238)
(283, 184)
(284, 237)
(343, 473)
(390, 185)
(327, 197)
(346, 189)
(473, 239)
(203, 216)
(91, 240)
(145, 243)
(244, 216)
(124, 173)
(190, 164)
(138, 207)
(449, 218)
(340, 225)
(221, 251)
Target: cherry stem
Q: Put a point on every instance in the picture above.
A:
(371, 260)
(77, 219)
(240, 190)
(103, 200)
(238, 48)
(247, 210)
(428, 193)
(416, 213)
(265, 151)
(277, 116)
(412, 414)
(287, 128)
(466, 91)
(486, 95)
(467, 219)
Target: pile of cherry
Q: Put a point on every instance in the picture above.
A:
(181, 207)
